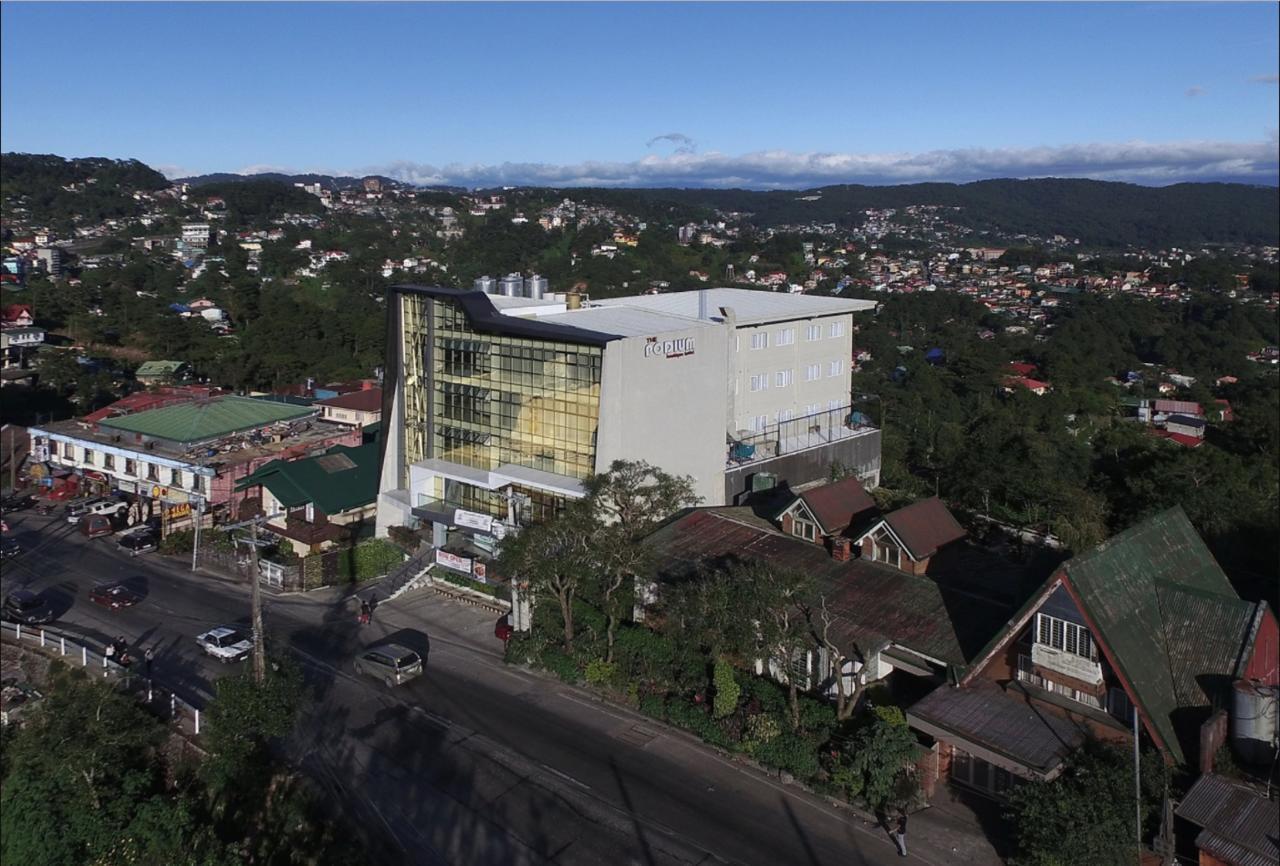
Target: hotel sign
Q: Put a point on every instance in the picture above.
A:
(677, 348)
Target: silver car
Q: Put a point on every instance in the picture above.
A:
(391, 663)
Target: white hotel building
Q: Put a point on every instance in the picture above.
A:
(501, 406)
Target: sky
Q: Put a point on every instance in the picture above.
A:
(758, 95)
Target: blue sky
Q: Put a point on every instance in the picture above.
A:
(753, 94)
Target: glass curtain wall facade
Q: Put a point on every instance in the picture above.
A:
(488, 400)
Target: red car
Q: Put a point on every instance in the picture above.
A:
(114, 596)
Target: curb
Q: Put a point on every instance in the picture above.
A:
(465, 596)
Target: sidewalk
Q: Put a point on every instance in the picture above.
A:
(949, 831)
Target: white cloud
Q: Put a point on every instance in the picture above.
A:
(1135, 161)
(1195, 90)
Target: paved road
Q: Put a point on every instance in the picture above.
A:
(475, 762)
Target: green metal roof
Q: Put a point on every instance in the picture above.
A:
(340, 479)
(160, 368)
(202, 420)
(1168, 614)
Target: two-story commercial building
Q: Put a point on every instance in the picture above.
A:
(500, 406)
(180, 459)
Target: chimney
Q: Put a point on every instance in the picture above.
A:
(841, 549)
(702, 305)
(573, 301)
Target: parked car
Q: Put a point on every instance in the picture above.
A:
(114, 595)
(389, 662)
(10, 548)
(17, 502)
(226, 643)
(98, 525)
(77, 510)
(139, 541)
(27, 607)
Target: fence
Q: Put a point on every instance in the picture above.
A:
(160, 700)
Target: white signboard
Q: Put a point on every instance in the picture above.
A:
(472, 520)
(457, 563)
(1066, 663)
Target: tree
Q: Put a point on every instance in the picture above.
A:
(552, 557)
(1086, 815)
(820, 622)
(638, 496)
(876, 758)
(615, 560)
(245, 717)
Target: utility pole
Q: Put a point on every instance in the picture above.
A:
(259, 656)
(195, 545)
(1137, 782)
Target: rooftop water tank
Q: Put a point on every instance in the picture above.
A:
(1255, 721)
(486, 284)
(512, 286)
(535, 286)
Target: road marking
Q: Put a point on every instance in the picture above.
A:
(583, 785)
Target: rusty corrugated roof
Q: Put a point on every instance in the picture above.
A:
(1241, 827)
(875, 604)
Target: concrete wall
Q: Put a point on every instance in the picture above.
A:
(668, 411)
(795, 358)
(861, 453)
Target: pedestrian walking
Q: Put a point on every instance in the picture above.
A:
(110, 652)
(147, 658)
(900, 837)
(366, 612)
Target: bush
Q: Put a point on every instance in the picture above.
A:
(601, 673)
(376, 557)
(795, 754)
(560, 663)
(654, 706)
(405, 537)
(727, 690)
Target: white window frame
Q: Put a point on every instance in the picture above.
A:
(786, 337)
(760, 340)
(813, 333)
(836, 330)
(804, 529)
(835, 368)
(760, 382)
(812, 372)
(1065, 636)
(782, 378)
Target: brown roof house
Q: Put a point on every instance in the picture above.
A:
(885, 618)
(824, 513)
(911, 537)
(1143, 632)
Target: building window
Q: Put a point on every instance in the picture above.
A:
(68, 452)
(175, 478)
(108, 461)
(804, 529)
(88, 457)
(812, 372)
(759, 423)
(813, 332)
(311, 512)
(782, 378)
(836, 329)
(760, 383)
(760, 340)
(835, 368)
(130, 467)
(153, 472)
(786, 336)
(1066, 636)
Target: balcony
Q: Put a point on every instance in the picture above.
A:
(796, 435)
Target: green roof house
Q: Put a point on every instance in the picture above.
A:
(1143, 632)
(162, 372)
(318, 501)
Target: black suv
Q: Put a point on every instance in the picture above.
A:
(26, 607)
